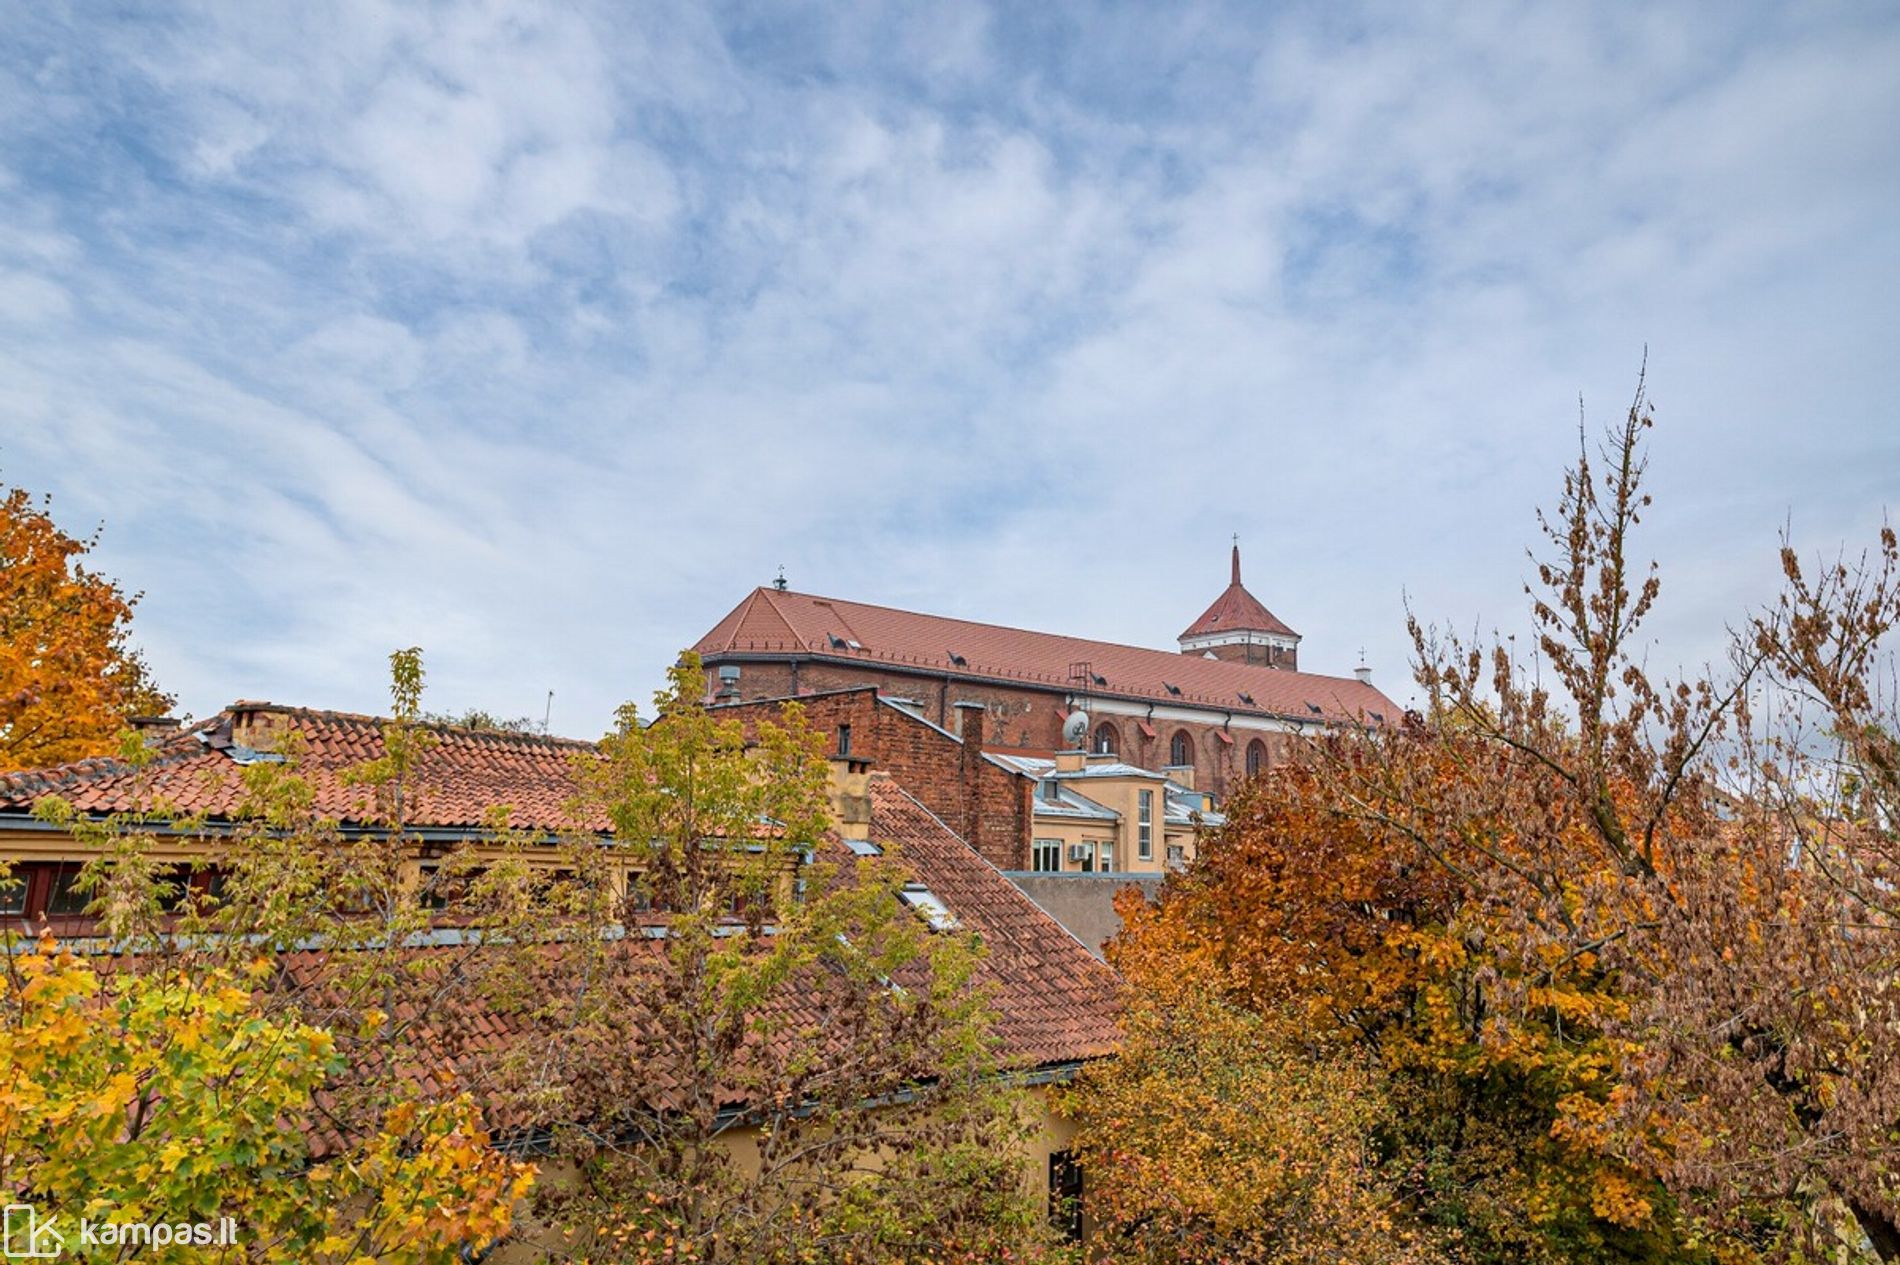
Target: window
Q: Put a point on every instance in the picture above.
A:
(1065, 1195)
(1107, 851)
(930, 905)
(844, 740)
(1107, 741)
(61, 896)
(1145, 839)
(13, 893)
(1181, 749)
(1047, 856)
(1256, 758)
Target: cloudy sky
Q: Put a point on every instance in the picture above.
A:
(537, 335)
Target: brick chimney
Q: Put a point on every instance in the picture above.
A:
(256, 725)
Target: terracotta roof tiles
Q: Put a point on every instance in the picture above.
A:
(772, 624)
(200, 770)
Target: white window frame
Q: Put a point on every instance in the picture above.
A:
(1049, 850)
(1145, 841)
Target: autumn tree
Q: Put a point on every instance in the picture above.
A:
(69, 676)
(1670, 834)
(1233, 1131)
(1624, 944)
(282, 1053)
(172, 1096)
(764, 1054)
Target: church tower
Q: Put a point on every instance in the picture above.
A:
(1238, 629)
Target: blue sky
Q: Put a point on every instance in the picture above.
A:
(537, 335)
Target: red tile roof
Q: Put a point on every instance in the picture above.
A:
(458, 779)
(1236, 610)
(1055, 1001)
(772, 624)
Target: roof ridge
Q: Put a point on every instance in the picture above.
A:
(1038, 632)
(365, 718)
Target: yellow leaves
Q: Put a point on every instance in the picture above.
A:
(1618, 1200)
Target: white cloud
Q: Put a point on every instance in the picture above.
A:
(536, 334)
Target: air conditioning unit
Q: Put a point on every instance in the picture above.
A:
(1081, 851)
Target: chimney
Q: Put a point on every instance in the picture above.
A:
(152, 724)
(969, 721)
(850, 791)
(1071, 761)
(255, 725)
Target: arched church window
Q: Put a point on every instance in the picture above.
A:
(1181, 748)
(1107, 740)
(1256, 758)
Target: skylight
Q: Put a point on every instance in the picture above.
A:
(864, 847)
(930, 905)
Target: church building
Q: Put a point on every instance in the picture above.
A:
(1221, 707)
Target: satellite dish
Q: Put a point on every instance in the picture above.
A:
(1075, 728)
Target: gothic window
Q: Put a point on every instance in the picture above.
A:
(1256, 758)
(1181, 749)
(1107, 741)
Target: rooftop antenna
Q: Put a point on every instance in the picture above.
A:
(779, 583)
(547, 712)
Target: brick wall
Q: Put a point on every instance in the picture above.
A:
(1014, 718)
(989, 806)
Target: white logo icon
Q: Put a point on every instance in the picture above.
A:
(29, 1238)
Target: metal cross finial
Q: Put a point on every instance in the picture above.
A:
(779, 583)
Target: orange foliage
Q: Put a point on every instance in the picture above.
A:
(68, 678)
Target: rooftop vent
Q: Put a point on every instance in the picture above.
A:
(1098, 678)
(837, 642)
(1315, 709)
(958, 659)
(1172, 689)
(1378, 717)
(1247, 698)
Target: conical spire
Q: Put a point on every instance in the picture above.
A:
(1236, 611)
